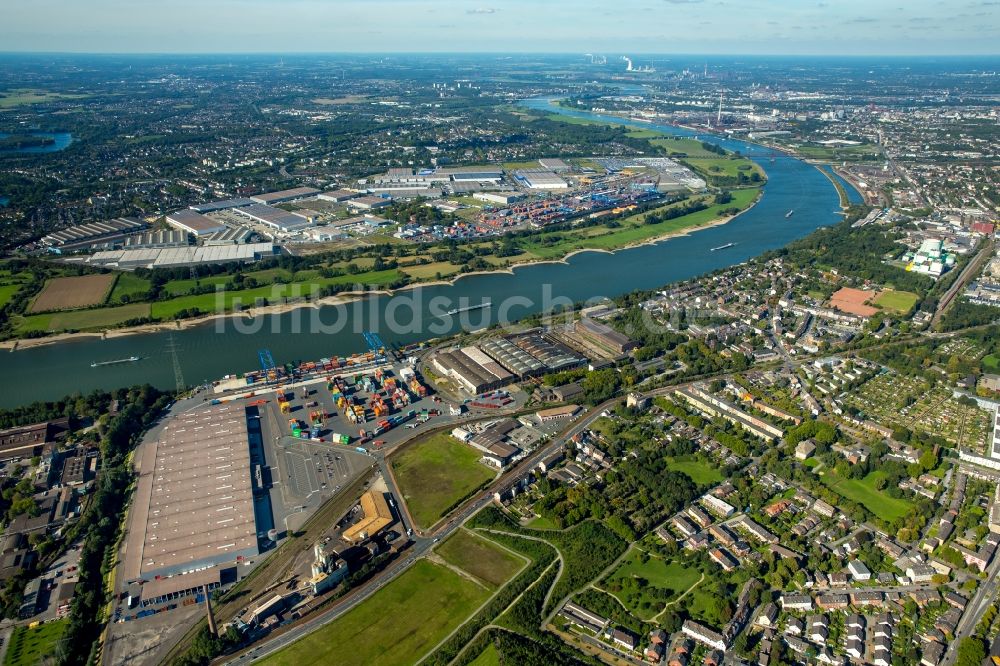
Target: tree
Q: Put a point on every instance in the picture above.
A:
(600, 385)
(971, 652)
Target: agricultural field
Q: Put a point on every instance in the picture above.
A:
(35, 646)
(645, 583)
(81, 320)
(901, 302)
(129, 287)
(397, 625)
(480, 557)
(864, 492)
(68, 293)
(24, 96)
(271, 293)
(894, 399)
(436, 473)
(432, 270)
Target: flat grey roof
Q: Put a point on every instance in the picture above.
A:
(195, 494)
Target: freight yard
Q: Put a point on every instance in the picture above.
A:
(288, 441)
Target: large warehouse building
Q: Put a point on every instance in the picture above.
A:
(470, 375)
(377, 516)
(193, 514)
(276, 217)
(495, 362)
(93, 233)
(194, 222)
(284, 195)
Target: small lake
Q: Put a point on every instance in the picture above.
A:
(61, 142)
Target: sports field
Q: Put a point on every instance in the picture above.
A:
(863, 492)
(397, 625)
(67, 293)
(483, 559)
(437, 472)
(897, 301)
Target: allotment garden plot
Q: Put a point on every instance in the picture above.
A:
(898, 400)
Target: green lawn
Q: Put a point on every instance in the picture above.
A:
(397, 625)
(701, 605)
(436, 473)
(29, 647)
(480, 557)
(700, 471)
(128, 284)
(7, 292)
(541, 523)
(81, 320)
(863, 492)
(722, 166)
(645, 587)
(991, 362)
(488, 657)
(897, 301)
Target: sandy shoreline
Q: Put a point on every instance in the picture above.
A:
(343, 297)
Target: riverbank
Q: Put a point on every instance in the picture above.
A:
(841, 192)
(348, 297)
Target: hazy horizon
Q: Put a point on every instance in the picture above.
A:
(690, 27)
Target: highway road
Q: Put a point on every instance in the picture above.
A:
(985, 595)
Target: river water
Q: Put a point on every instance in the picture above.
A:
(212, 350)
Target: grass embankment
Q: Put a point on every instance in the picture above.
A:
(396, 625)
(82, 320)
(435, 474)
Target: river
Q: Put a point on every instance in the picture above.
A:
(210, 351)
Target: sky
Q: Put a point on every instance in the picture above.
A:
(794, 27)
